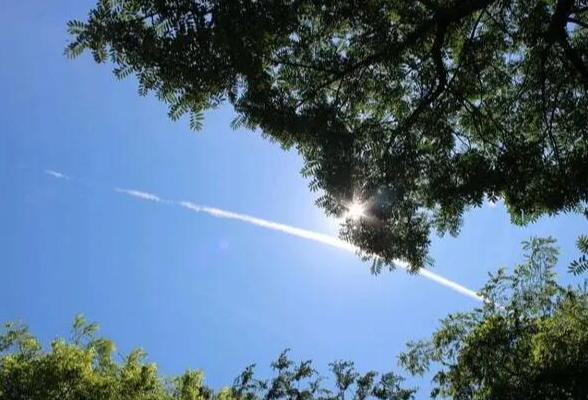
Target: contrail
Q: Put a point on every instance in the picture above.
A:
(141, 195)
(56, 174)
(275, 226)
(298, 232)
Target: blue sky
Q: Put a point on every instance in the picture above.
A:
(193, 290)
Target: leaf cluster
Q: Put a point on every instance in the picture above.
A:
(528, 341)
(83, 367)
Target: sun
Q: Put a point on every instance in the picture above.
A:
(355, 211)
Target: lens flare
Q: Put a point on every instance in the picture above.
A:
(355, 211)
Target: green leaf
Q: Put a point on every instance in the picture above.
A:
(75, 27)
(74, 50)
(579, 266)
(196, 118)
(123, 72)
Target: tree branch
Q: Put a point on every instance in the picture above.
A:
(289, 63)
(557, 33)
(575, 59)
(437, 56)
(442, 17)
(578, 22)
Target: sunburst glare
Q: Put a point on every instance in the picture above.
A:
(355, 211)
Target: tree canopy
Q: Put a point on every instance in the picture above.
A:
(529, 341)
(82, 367)
(419, 110)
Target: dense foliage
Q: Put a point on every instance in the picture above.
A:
(83, 368)
(418, 109)
(529, 340)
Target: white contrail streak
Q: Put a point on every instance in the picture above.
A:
(291, 230)
(275, 226)
(298, 232)
(321, 238)
(141, 195)
(56, 174)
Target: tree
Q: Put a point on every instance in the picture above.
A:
(528, 341)
(417, 110)
(82, 368)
